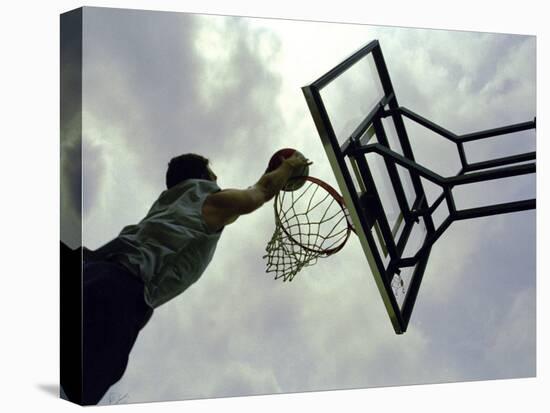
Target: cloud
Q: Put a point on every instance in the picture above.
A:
(144, 103)
(71, 181)
(71, 136)
(159, 84)
(515, 339)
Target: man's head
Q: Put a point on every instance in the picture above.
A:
(188, 166)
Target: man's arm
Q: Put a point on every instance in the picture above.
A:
(224, 207)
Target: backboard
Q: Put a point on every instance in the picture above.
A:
(361, 127)
(350, 106)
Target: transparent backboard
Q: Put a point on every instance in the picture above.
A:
(350, 105)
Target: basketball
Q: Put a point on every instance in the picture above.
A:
(294, 182)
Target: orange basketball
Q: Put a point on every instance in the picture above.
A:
(294, 182)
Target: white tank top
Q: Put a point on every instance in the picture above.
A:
(172, 246)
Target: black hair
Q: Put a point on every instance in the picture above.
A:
(187, 166)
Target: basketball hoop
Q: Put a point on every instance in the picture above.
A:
(310, 223)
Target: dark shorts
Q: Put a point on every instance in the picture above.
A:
(114, 311)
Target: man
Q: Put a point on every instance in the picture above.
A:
(157, 259)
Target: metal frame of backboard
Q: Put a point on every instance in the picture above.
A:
(365, 206)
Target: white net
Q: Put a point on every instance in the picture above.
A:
(311, 222)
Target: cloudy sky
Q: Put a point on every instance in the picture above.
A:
(160, 84)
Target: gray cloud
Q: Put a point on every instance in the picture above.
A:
(71, 137)
(159, 84)
(156, 98)
(71, 182)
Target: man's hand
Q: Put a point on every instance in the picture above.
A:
(224, 207)
(297, 162)
(272, 182)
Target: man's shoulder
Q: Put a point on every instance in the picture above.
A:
(199, 185)
(189, 190)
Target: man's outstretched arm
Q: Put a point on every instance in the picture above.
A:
(224, 207)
